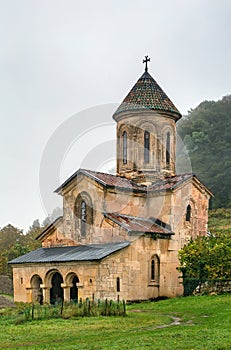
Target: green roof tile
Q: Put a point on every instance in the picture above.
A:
(146, 94)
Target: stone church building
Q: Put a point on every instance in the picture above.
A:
(120, 234)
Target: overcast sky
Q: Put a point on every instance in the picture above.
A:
(58, 58)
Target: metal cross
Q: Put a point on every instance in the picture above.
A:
(146, 60)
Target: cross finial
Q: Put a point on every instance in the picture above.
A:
(146, 60)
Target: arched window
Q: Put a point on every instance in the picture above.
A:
(83, 213)
(155, 269)
(118, 284)
(125, 146)
(168, 149)
(146, 146)
(188, 213)
(83, 218)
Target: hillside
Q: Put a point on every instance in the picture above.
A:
(206, 135)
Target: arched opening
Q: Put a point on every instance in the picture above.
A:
(168, 149)
(188, 213)
(56, 291)
(155, 269)
(146, 146)
(83, 218)
(83, 213)
(125, 147)
(74, 289)
(37, 294)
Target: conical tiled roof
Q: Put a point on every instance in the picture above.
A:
(146, 94)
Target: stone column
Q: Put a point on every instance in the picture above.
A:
(66, 291)
(46, 293)
(80, 291)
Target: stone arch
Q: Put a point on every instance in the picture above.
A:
(144, 127)
(188, 213)
(191, 225)
(71, 281)
(37, 294)
(168, 146)
(83, 214)
(155, 269)
(146, 147)
(125, 147)
(54, 281)
(124, 129)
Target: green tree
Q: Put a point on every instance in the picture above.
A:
(10, 236)
(206, 259)
(14, 243)
(206, 134)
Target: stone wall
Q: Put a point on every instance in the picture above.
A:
(135, 124)
(131, 265)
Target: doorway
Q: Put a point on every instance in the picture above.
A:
(56, 291)
(37, 294)
(74, 289)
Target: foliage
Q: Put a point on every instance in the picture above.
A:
(14, 243)
(203, 323)
(205, 132)
(208, 258)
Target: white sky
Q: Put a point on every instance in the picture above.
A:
(58, 58)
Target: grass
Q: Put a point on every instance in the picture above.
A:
(219, 219)
(192, 323)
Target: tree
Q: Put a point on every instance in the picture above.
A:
(206, 134)
(14, 243)
(206, 259)
(11, 238)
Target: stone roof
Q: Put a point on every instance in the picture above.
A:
(89, 252)
(140, 225)
(108, 180)
(146, 94)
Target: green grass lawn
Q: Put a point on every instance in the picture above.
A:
(183, 323)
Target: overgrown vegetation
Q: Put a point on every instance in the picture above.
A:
(198, 323)
(208, 259)
(29, 312)
(205, 132)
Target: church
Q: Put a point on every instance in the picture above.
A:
(119, 235)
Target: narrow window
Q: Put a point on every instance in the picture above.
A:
(146, 146)
(188, 213)
(83, 218)
(153, 270)
(168, 149)
(118, 284)
(83, 214)
(125, 147)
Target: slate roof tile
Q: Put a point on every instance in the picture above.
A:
(146, 94)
